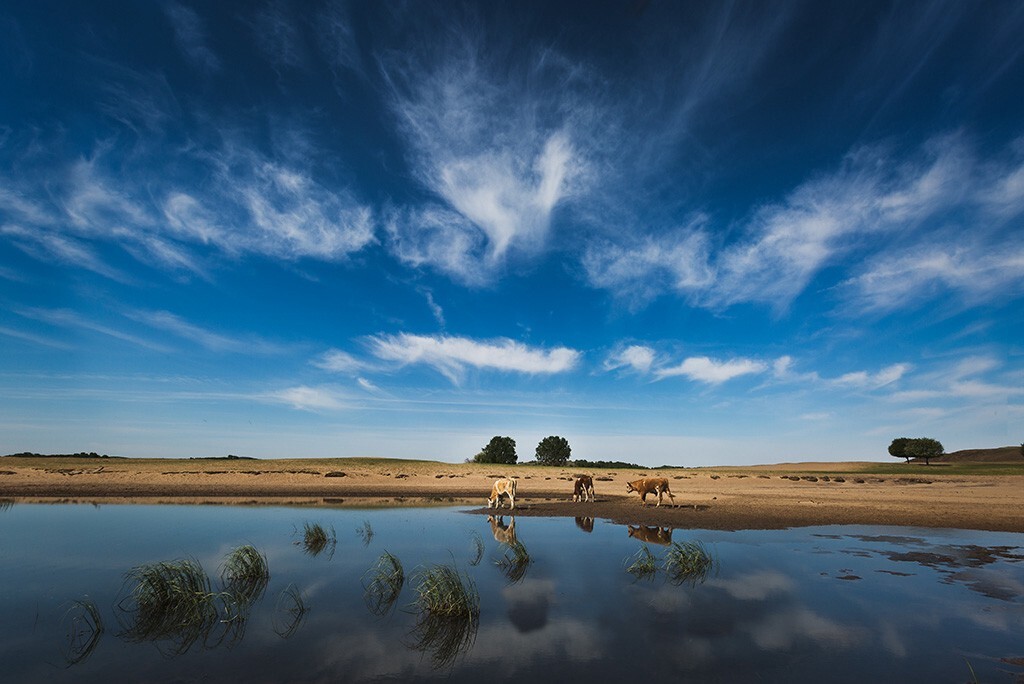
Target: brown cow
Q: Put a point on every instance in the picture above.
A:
(583, 490)
(504, 486)
(653, 535)
(650, 485)
(506, 534)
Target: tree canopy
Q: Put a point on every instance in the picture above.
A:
(553, 450)
(920, 447)
(498, 450)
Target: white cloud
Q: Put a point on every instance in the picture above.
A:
(710, 371)
(972, 270)
(306, 398)
(488, 141)
(338, 361)
(865, 380)
(450, 356)
(637, 357)
(783, 245)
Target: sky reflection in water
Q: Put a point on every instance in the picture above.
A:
(829, 603)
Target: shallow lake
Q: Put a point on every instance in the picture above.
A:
(842, 604)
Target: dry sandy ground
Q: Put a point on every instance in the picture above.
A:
(728, 498)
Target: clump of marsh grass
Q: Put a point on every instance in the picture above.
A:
(173, 601)
(449, 613)
(365, 533)
(245, 574)
(289, 612)
(478, 549)
(382, 584)
(643, 565)
(316, 540)
(688, 562)
(515, 561)
(83, 626)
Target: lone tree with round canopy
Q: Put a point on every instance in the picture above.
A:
(498, 450)
(553, 450)
(920, 447)
(898, 448)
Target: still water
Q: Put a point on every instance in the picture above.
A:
(843, 604)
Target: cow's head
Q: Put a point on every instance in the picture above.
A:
(630, 487)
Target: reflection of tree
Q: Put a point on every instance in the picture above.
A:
(83, 626)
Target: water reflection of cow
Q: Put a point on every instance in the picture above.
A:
(586, 524)
(652, 535)
(506, 534)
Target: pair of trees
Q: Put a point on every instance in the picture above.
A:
(553, 450)
(920, 447)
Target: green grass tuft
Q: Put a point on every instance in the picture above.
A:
(316, 540)
(245, 574)
(644, 565)
(172, 601)
(382, 584)
(448, 607)
(515, 561)
(688, 562)
(365, 533)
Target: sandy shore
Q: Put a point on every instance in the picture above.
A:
(759, 497)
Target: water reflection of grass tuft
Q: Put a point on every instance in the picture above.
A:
(245, 574)
(448, 607)
(289, 612)
(83, 626)
(315, 539)
(644, 565)
(382, 584)
(478, 549)
(515, 561)
(688, 562)
(173, 601)
(365, 533)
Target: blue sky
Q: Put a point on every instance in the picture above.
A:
(673, 233)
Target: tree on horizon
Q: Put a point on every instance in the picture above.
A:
(553, 450)
(498, 450)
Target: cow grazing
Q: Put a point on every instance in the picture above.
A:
(650, 485)
(652, 535)
(583, 490)
(506, 534)
(504, 486)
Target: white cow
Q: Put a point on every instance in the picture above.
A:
(504, 486)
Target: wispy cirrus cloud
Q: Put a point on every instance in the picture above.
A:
(214, 341)
(452, 356)
(492, 139)
(866, 380)
(872, 201)
(190, 35)
(258, 205)
(712, 371)
(306, 398)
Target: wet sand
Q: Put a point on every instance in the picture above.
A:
(759, 497)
